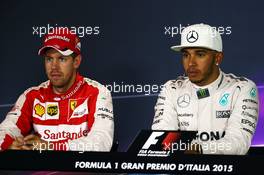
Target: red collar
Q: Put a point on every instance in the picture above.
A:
(79, 81)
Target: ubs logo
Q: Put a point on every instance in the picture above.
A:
(52, 110)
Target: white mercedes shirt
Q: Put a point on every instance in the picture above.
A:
(225, 112)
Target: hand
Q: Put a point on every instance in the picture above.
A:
(194, 149)
(34, 142)
(17, 144)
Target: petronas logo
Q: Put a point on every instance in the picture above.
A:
(224, 99)
(253, 92)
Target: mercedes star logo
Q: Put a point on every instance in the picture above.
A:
(192, 36)
(184, 101)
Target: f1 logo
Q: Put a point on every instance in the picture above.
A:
(152, 139)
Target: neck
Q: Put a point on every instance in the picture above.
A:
(214, 75)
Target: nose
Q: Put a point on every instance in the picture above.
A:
(192, 60)
(55, 64)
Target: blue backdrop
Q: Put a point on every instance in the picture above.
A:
(128, 42)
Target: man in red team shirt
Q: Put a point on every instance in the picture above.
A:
(67, 112)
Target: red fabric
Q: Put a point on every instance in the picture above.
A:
(61, 39)
(67, 123)
(7, 142)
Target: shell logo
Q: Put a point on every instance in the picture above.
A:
(39, 110)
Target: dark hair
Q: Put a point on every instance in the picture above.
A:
(73, 55)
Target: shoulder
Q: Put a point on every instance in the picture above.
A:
(239, 81)
(178, 83)
(94, 84)
(245, 87)
(31, 93)
(36, 89)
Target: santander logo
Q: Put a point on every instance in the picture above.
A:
(50, 135)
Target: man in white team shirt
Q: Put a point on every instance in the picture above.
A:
(223, 108)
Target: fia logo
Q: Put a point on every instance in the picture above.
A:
(152, 140)
(224, 99)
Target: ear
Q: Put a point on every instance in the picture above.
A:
(77, 61)
(218, 58)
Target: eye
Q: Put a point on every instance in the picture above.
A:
(201, 54)
(48, 59)
(62, 59)
(184, 55)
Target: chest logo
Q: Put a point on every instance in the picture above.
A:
(202, 93)
(224, 99)
(80, 109)
(39, 110)
(73, 104)
(184, 101)
(52, 109)
(253, 92)
(223, 114)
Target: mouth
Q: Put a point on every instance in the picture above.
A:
(193, 72)
(55, 75)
